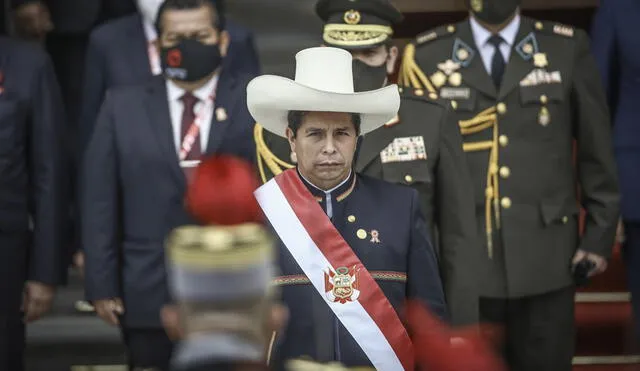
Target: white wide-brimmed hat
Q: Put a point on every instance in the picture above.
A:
(323, 83)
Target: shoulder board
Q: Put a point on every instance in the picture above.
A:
(420, 95)
(554, 28)
(435, 33)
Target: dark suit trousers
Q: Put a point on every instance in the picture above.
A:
(147, 348)
(13, 273)
(537, 331)
(631, 251)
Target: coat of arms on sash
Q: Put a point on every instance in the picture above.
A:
(341, 285)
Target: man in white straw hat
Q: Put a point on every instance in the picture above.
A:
(352, 249)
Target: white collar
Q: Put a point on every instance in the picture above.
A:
(481, 35)
(175, 92)
(332, 189)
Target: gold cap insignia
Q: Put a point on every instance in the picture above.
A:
(352, 17)
(448, 67)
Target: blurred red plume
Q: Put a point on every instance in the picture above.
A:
(221, 192)
(435, 350)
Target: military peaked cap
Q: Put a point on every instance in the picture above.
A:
(357, 24)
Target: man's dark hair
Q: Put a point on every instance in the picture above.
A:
(294, 121)
(217, 6)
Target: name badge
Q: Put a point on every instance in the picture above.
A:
(404, 149)
(455, 93)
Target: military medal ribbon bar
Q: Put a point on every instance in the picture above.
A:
(336, 272)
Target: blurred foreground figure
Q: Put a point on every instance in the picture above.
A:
(437, 348)
(220, 275)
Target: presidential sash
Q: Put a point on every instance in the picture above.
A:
(335, 272)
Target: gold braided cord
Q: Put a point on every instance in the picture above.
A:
(410, 73)
(264, 154)
(485, 120)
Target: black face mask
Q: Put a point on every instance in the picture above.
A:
(493, 12)
(190, 60)
(366, 78)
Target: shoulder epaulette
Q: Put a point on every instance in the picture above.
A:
(554, 28)
(418, 94)
(434, 34)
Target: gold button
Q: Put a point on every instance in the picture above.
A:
(565, 219)
(433, 96)
(505, 202)
(351, 218)
(408, 178)
(454, 104)
(362, 234)
(419, 92)
(504, 140)
(400, 90)
(544, 99)
(539, 25)
(502, 108)
(451, 29)
(505, 172)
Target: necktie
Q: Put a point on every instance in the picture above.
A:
(189, 102)
(497, 63)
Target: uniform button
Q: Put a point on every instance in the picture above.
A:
(505, 202)
(505, 172)
(451, 29)
(362, 234)
(454, 104)
(351, 218)
(539, 26)
(504, 140)
(502, 108)
(565, 219)
(544, 99)
(408, 178)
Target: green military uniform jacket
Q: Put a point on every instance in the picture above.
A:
(421, 148)
(519, 145)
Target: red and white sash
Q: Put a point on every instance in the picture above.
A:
(336, 272)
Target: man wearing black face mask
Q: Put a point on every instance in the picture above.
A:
(147, 140)
(524, 91)
(421, 147)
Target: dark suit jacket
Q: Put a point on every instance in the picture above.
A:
(443, 182)
(32, 156)
(80, 16)
(117, 56)
(615, 44)
(537, 123)
(404, 265)
(132, 191)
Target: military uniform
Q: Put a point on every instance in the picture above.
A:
(518, 139)
(421, 148)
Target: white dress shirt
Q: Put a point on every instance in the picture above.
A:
(481, 36)
(176, 108)
(154, 57)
